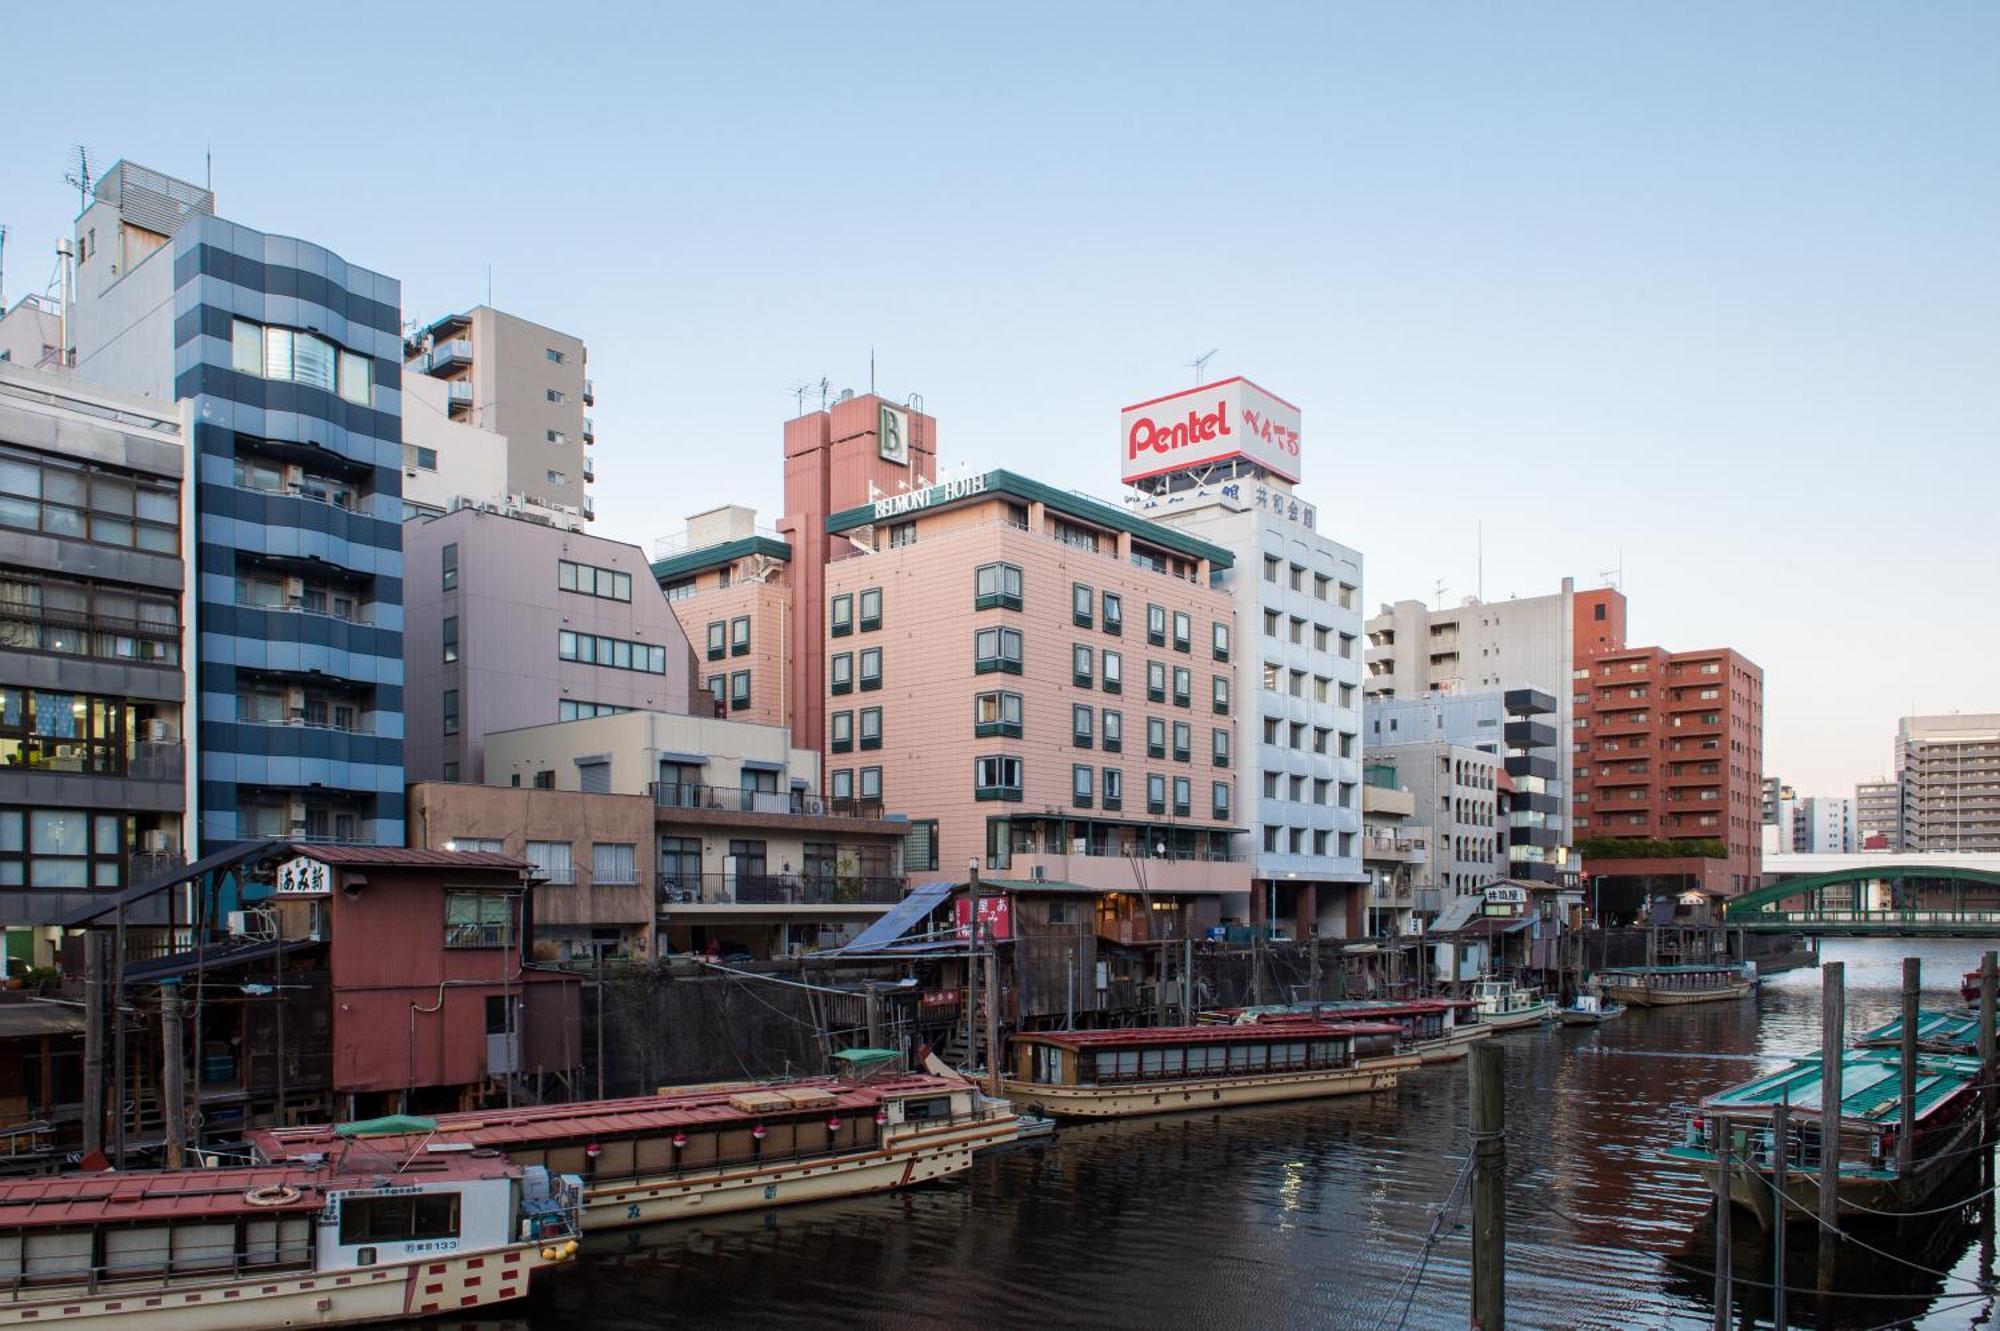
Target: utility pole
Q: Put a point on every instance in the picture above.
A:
(1833, 1029)
(972, 967)
(871, 995)
(93, 1041)
(1489, 1172)
(1781, 1150)
(1722, 1271)
(172, 1066)
(1187, 980)
(1906, 1134)
(1315, 966)
(992, 1015)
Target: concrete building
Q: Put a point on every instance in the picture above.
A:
(1878, 815)
(513, 623)
(1669, 765)
(92, 650)
(1395, 851)
(703, 830)
(1949, 770)
(1455, 790)
(527, 383)
(1822, 825)
(451, 463)
(729, 584)
(290, 361)
(1296, 667)
(31, 333)
(1044, 683)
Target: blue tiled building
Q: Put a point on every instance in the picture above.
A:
(291, 361)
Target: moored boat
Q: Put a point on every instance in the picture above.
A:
(1937, 1033)
(1588, 1010)
(1437, 1030)
(1868, 1122)
(1671, 986)
(242, 1249)
(1506, 1006)
(1161, 1069)
(708, 1150)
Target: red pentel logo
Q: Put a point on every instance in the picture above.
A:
(1199, 428)
(1259, 426)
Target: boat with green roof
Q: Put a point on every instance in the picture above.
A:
(1671, 986)
(1938, 1032)
(1869, 1123)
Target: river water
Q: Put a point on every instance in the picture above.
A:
(1315, 1215)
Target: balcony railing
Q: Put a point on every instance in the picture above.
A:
(780, 889)
(295, 606)
(458, 393)
(731, 799)
(449, 355)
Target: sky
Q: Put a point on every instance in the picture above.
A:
(1702, 297)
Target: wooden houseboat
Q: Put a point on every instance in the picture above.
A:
(1671, 986)
(1869, 1122)
(1161, 1069)
(1437, 1030)
(709, 1150)
(1937, 1033)
(1506, 1006)
(276, 1246)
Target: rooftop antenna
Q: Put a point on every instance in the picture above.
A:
(799, 391)
(871, 372)
(1615, 576)
(489, 286)
(3, 267)
(80, 178)
(824, 389)
(1481, 592)
(1200, 364)
(1440, 593)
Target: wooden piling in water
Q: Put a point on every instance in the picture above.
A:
(1906, 1132)
(1833, 1038)
(1781, 1137)
(1722, 1249)
(1489, 1171)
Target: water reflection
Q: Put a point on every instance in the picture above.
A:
(1311, 1215)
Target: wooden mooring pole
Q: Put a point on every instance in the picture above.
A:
(1833, 1033)
(1906, 1118)
(1489, 1172)
(1781, 1150)
(1989, 1067)
(1723, 1274)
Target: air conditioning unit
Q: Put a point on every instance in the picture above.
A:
(239, 923)
(155, 731)
(1039, 873)
(156, 842)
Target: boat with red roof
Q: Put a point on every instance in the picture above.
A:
(736, 1146)
(334, 1241)
(1161, 1069)
(1438, 1030)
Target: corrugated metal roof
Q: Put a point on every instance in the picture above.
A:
(900, 918)
(21, 1021)
(1141, 1036)
(411, 857)
(1870, 1086)
(1955, 1032)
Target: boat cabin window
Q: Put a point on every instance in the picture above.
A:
(424, 1215)
(1048, 1064)
(930, 1107)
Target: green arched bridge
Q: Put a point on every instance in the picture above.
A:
(1884, 895)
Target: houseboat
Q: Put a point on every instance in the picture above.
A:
(1671, 986)
(1869, 1122)
(1161, 1069)
(710, 1150)
(1968, 989)
(1588, 1009)
(1506, 1006)
(1437, 1030)
(1937, 1033)
(243, 1249)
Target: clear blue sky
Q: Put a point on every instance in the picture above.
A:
(1708, 288)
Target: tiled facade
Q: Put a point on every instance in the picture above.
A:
(734, 602)
(972, 673)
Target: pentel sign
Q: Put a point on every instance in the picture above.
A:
(1213, 423)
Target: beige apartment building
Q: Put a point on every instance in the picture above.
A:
(1042, 682)
(517, 378)
(1949, 769)
(729, 585)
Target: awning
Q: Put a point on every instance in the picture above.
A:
(759, 765)
(27, 1021)
(688, 759)
(902, 917)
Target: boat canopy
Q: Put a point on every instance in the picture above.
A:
(391, 1125)
(1871, 1088)
(1142, 1036)
(866, 1058)
(1956, 1031)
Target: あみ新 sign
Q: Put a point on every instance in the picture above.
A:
(1213, 423)
(303, 877)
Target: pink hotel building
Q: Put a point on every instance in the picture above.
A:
(1042, 681)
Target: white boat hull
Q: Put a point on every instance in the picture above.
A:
(1640, 995)
(1167, 1097)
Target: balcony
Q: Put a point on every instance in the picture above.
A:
(1120, 873)
(1388, 802)
(343, 608)
(732, 799)
(589, 430)
(458, 394)
(1398, 849)
(780, 889)
(449, 355)
(1530, 735)
(589, 470)
(589, 393)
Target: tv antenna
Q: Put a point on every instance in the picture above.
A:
(1200, 364)
(1439, 593)
(3, 268)
(1615, 576)
(80, 178)
(798, 392)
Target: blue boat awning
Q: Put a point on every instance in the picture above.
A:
(905, 915)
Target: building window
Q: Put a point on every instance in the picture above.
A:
(871, 608)
(1112, 664)
(996, 714)
(996, 778)
(718, 688)
(1112, 731)
(451, 711)
(718, 633)
(1218, 752)
(871, 727)
(1082, 605)
(449, 636)
(555, 357)
(451, 771)
(1114, 613)
(1113, 788)
(1183, 631)
(678, 589)
(739, 690)
(479, 919)
(58, 498)
(1271, 622)
(1156, 625)
(616, 653)
(613, 864)
(842, 783)
(739, 636)
(1271, 563)
(902, 534)
(871, 668)
(1219, 697)
(996, 586)
(1156, 737)
(840, 732)
(589, 580)
(1183, 741)
(1082, 779)
(996, 650)
(871, 783)
(1081, 718)
(1219, 641)
(840, 672)
(920, 846)
(301, 358)
(1156, 793)
(1156, 681)
(1183, 686)
(1082, 670)
(1072, 535)
(1219, 800)
(448, 557)
(426, 459)
(545, 779)
(842, 621)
